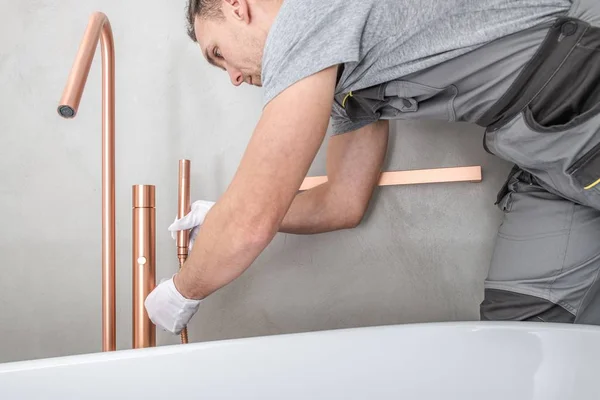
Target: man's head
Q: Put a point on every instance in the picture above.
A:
(232, 34)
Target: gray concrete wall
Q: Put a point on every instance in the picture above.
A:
(420, 255)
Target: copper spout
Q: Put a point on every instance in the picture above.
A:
(99, 29)
(183, 237)
(144, 263)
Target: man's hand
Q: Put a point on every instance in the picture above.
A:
(192, 220)
(248, 215)
(168, 309)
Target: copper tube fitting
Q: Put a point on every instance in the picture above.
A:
(183, 208)
(99, 28)
(144, 263)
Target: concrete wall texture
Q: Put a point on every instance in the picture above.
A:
(420, 255)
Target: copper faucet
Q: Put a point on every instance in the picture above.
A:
(99, 29)
(143, 212)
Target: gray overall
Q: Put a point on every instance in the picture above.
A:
(537, 93)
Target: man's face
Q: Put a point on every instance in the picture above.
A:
(232, 44)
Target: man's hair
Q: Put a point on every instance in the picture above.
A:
(208, 9)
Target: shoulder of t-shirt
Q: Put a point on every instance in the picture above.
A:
(309, 36)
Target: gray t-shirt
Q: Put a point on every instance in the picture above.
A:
(379, 41)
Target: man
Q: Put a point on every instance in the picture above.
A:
(527, 70)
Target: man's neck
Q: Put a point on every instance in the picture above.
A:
(264, 12)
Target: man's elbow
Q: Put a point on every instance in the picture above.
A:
(346, 210)
(258, 230)
(352, 217)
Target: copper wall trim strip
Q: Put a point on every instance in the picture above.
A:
(414, 177)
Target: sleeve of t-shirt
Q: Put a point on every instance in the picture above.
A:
(308, 36)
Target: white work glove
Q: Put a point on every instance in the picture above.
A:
(193, 220)
(168, 309)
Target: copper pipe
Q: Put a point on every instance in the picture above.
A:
(99, 28)
(183, 208)
(144, 263)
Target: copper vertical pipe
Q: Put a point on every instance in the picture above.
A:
(183, 208)
(183, 237)
(144, 263)
(99, 29)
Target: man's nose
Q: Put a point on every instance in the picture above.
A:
(236, 76)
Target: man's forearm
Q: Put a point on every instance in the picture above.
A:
(315, 211)
(228, 243)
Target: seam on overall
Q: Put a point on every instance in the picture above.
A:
(564, 305)
(551, 179)
(381, 92)
(568, 306)
(588, 290)
(358, 119)
(495, 142)
(451, 111)
(529, 237)
(587, 47)
(562, 268)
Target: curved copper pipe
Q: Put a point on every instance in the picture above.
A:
(99, 29)
(183, 208)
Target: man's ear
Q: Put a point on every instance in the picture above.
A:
(238, 9)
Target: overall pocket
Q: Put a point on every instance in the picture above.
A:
(416, 100)
(400, 99)
(364, 104)
(572, 96)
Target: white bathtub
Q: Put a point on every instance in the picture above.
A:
(482, 361)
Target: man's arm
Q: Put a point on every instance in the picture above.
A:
(354, 162)
(248, 215)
